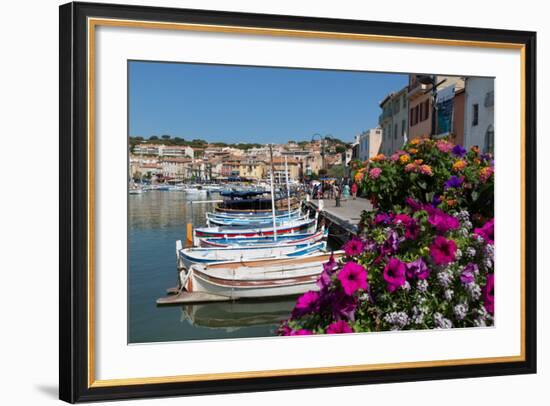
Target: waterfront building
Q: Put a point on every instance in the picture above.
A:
(175, 168)
(250, 168)
(394, 121)
(450, 107)
(164, 150)
(369, 142)
(479, 117)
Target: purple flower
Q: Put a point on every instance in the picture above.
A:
(339, 327)
(453, 182)
(458, 150)
(324, 280)
(443, 251)
(489, 293)
(307, 303)
(391, 245)
(436, 201)
(353, 277)
(487, 232)
(301, 332)
(382, 218)
(394, 274)
(417, 269)
(467, 275)
(342, 306)
(331, 265)
(442, 221)
(353, 247)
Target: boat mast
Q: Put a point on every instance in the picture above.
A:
(287, 187)
(272, 195)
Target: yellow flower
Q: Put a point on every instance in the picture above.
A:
(415, 141)
(405, 158)
(459, 165)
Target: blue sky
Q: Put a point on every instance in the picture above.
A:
(252, 104)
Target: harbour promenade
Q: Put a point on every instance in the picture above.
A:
(343, 221)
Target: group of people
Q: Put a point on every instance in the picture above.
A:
(333, 190)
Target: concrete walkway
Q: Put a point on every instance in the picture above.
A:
(347, 215)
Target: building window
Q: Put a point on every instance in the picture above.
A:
(489, 140)
(416, 117)
(475, 115)
(421, 113)
(395, 132)
(411, 117)
(403, 125)
(404, 101)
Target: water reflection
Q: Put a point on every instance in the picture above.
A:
(232, 316)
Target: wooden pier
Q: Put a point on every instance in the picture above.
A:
(342, 221)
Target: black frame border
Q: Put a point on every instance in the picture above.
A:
(73, 177)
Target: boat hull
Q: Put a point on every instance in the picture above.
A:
(257, 279)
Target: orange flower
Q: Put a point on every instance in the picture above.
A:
(405, 158)
(459, 165)
(418, 161)
(379, 157)
(415, 141)
(426, 170)
(413, 150)
(451, 202)
(410, 168)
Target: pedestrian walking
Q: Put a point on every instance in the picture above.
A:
(354, 190)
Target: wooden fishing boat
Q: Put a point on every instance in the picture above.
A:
(190, 256)
(259, 278)
(253, 222)
(295, 226)
(290, 239)
(255, 216)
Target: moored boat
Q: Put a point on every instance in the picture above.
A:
(190, 256)
(319, 235)
(294, 226)
(255, 279)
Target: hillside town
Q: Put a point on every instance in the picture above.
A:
(436, 106)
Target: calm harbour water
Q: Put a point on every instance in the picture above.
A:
(156, 220)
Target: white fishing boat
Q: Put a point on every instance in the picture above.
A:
(256, 279)
(252, 216)
(294, 226)
(253, 221)
(288, 239)
(190, 256)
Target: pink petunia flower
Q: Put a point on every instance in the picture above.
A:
(301, 332)
(307, 303)
(443, 251)
(489, 293)
(339, 327)
(353, 247)
(394, 274)
(487, 232)
(442, 221)
(353, 277)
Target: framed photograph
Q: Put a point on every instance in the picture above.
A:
(257, 202)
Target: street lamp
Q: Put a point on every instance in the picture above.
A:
(431, 80)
